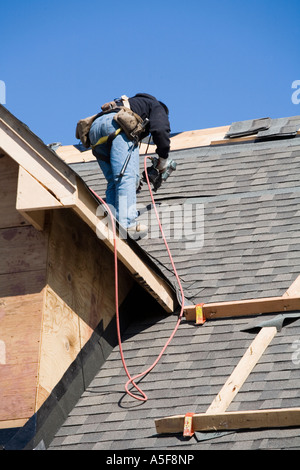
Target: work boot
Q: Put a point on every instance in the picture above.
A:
(138, 231)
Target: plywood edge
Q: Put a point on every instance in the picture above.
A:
(13, 423)
(59, 345)
(183, 140)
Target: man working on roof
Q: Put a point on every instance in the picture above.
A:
(121, 191)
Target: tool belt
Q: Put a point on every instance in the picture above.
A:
(129, 122)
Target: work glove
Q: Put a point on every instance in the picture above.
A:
(162, 164)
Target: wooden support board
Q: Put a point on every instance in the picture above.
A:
(244, 307)
(257, 419)
(294, 289)
(242, 370)
(236, 379)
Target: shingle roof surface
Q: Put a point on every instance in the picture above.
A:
(247, 247)
(188, 377)
(246, 242)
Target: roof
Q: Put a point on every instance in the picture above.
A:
(187, 379)
(240, 202)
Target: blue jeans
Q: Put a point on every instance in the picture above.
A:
(120, 192)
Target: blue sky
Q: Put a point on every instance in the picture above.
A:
(212, 63)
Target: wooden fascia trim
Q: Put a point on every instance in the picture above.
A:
(255, 419)
(51, 174)
(32, 195)
(86, 207)
(33, 199)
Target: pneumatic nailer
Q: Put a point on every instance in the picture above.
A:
(156, 177)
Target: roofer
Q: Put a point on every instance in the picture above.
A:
(112, 153)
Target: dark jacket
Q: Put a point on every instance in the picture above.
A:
(149, 107)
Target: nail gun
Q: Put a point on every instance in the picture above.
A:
(156, 177)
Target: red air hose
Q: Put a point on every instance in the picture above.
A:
(131, 380)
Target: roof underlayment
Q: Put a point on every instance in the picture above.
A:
(231, 214)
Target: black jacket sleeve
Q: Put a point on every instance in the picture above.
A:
(160, 129)
(147, 106)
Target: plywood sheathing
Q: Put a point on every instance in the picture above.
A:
(188, 139)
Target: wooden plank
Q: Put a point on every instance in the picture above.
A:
(60, 343)
(294, 289)
(35, 218)
(230, 388)
(20, 329)
(31, 195)
(22, 249)
(245, 307)
(13, 423)
(183, 140)
(22, 283)
(242, 370)
(235, 140)
(257, 419)
(36, 144)
(39, 167)
(9, 216)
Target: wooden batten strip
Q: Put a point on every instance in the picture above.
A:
(244, 307)
(294, 289)
(242, 370)
(255, 419)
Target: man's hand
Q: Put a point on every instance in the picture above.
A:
(162, 164)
